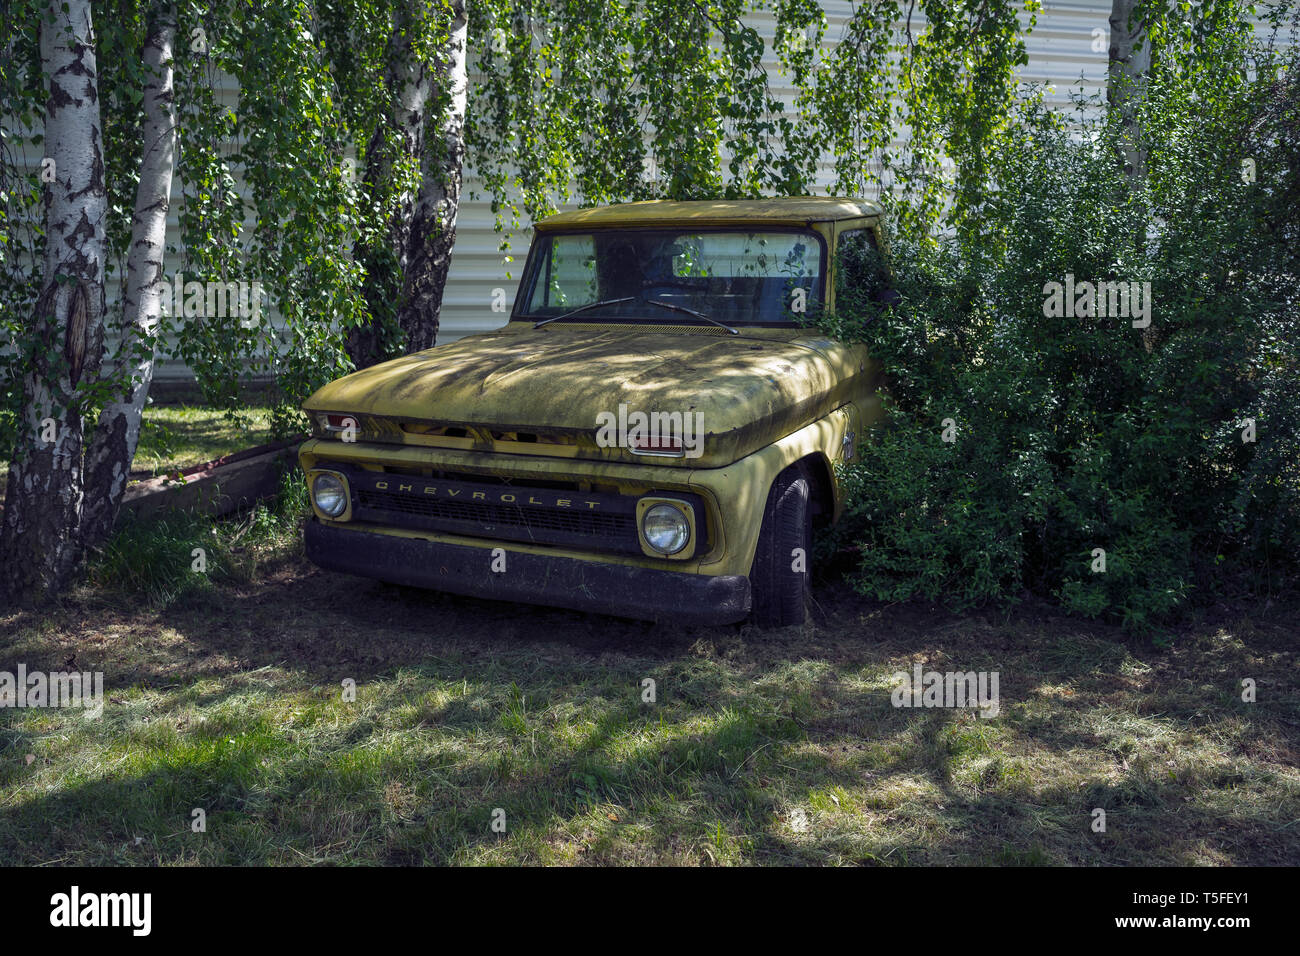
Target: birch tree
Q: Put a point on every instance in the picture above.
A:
(60, 502)
(1130, 63)
(108, 461)
(433, 223)
(44, 495)
(393, 163)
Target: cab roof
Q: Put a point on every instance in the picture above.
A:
(792, 211)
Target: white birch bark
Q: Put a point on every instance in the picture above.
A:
(117, 435)
(39, 541)
(410, 82)
(433, 223)
(1130, 62)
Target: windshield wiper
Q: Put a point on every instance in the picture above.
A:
(632, 298)
(698, 315)
(583, 308)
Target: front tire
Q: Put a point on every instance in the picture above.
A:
(779, 575)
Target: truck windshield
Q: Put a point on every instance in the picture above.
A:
(735, 277)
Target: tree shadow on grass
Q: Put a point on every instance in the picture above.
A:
(361, 796)
(758, 726)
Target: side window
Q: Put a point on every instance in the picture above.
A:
(862, 281)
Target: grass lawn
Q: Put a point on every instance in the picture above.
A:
(777, 748)
(176, 437)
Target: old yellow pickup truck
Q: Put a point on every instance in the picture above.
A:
(653, 434)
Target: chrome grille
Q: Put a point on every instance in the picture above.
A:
(496, 509)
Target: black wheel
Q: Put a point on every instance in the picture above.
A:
(779, 576)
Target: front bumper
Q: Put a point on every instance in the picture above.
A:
(617, 589)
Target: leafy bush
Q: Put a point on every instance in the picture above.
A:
(1021, 439)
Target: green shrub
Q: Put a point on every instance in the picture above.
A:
(1071, 434)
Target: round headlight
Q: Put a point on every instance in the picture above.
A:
(666, 528)
(330, 495)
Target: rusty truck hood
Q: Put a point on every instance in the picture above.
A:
(748, 390)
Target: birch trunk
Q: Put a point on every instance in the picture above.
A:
(39, 541)
(1130, 62)
(112, 448)
(433, 223)
(399, 142)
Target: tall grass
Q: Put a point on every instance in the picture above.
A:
(164, 559)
